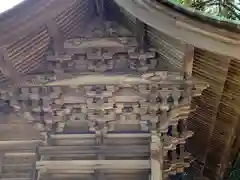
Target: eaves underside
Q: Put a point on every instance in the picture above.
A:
(184, 28)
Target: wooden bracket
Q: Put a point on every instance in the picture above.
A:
(188, 60)
(56, 36)
(7, 67)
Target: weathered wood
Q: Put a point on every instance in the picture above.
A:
(21, 154)
(7, 67)
(140, 33)
(99, 122)
(188, 60)
(93, 149)
(19, 144)
(170, 22)
(93, 164)
(156, 157)
(56, 35)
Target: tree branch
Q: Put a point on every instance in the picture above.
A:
(201, 4)
(234, 6)
(232, 11)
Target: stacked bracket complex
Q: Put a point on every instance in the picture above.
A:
(215, 122)
(103, 110)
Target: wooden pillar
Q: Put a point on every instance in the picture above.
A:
(188, 60)
(56, 36)
(156, 157)
(140, 33)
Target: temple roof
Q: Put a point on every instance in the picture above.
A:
(27, 29)
(27, 32)
(183, 27)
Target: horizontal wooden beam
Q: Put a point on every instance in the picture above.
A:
(110, 135)
(93, 165)
(72, 136)
(92, 149)
(15, 178)
(19, 154)
(130, 135)
(107, 42)
(21, 144)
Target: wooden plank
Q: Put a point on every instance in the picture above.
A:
(103, 148)
(72, 152)
(72, 136)
(21, 144)
(132, 135)
(18, 167)
(19, 154)
(110, 135)
(110, 42)
(16, 174)
(93, 164)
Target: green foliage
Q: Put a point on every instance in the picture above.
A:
(227, 9)
(234, 174)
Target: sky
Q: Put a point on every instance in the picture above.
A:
(8, 4)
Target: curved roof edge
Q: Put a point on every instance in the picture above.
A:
(182, 27)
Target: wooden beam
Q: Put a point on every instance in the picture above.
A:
(31, 144)
(16, 143)
(110, 135)
(15, 178)
(134, 135)
(72, 136)
(104, 149)
(156, 157)
(56, 36)
(19, 154)
(116, 79)
(93, 165)
(188, 60)
(140, 33)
